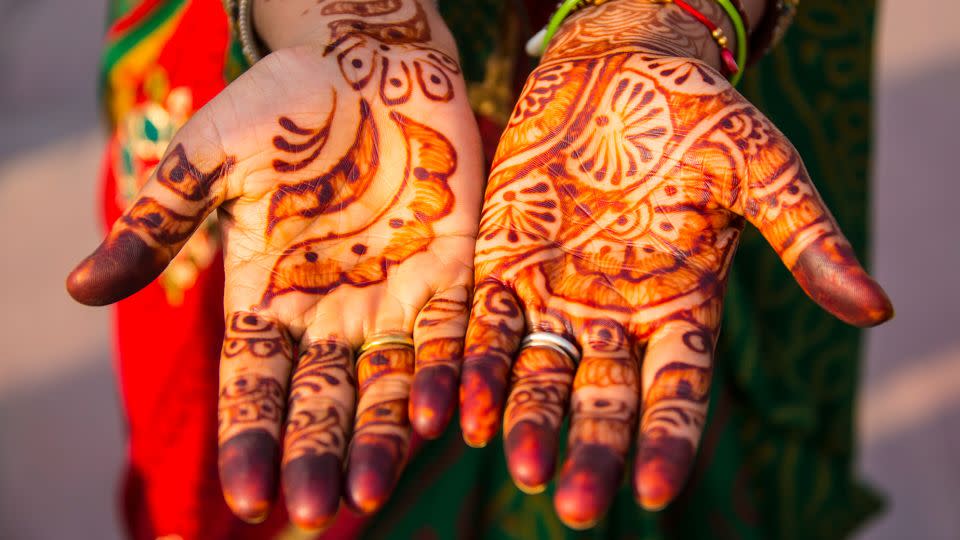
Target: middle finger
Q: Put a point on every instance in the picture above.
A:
(603, 407)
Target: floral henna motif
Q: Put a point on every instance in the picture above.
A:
(336, 188)
(396, 71)
(612, 214)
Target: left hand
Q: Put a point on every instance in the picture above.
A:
(612, 214)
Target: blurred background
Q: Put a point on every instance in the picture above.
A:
(61, 442)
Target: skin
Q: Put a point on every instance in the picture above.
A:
(345, 168)
(611, 217)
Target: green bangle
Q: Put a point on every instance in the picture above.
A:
(565, 8)
(741, 32)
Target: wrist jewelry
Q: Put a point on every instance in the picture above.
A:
(240, 13)
(732, 65)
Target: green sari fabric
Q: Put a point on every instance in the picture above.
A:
(776, 460)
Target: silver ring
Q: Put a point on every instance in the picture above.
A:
(554, 342)
(387, 339)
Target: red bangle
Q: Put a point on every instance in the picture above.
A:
(729, 60)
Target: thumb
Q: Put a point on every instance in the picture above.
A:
(781, 201)
(186, 186)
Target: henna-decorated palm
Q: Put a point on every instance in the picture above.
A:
(348, 180)
(612, 214)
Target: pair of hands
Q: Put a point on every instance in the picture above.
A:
(348, 181)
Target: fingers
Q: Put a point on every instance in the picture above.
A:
(540, 389)
(320, 413)
(381, 437)
(676, 388)
(187, 185)
(782, 202)
(254, 368)
(603, 413)
(493, 336)
(438, 336)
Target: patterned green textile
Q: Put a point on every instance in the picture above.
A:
(776, 460)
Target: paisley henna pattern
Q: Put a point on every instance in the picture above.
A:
(612, 214)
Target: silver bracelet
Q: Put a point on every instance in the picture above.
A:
(241, 15)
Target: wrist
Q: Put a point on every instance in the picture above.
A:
(295, 23)
(653, 26)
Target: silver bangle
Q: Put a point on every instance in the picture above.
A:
(241, 17)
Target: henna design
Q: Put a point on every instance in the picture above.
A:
(248, 334)
(439, 338)
(415, 29)
(316, 266)
(381, 437)
(493, 335)
(635, 25)
(177, 173)
(363, 8)
(337, 188)
(396, 70)
(540, 389)
(612, 214)
(254, 367)
(147, 236)
(320, 415)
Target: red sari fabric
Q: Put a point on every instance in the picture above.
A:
(168, 336)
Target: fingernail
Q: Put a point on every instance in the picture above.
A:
(432, 400)
(248, 473)
(661, 470)
(481, 402)
(531, 451)
(311, 487)
(588, 482)
(121, 266)
(828, 270)
(372, 473)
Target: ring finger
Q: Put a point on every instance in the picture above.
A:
(381, 438)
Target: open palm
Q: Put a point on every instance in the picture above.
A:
(347, 179)
(612, 214)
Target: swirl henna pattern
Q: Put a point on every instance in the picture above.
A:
(611, 217)
(358, 221)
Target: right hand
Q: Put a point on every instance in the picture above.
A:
(347, 175)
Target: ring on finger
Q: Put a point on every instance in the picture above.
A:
(386, 340)
(554, 342)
